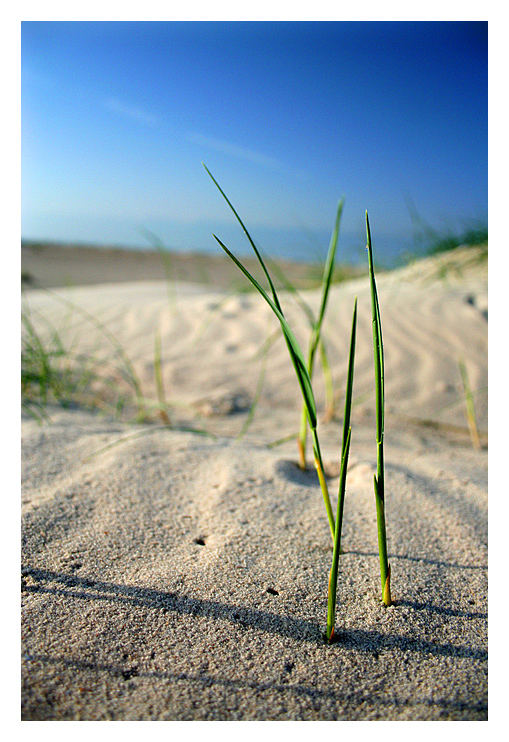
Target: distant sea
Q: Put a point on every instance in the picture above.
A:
(297, 244)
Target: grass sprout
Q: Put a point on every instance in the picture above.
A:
(317, 328)
(316, 341)
(345, 450)
(295, 352)
(303, 372)
(379, 479)
(330, 400)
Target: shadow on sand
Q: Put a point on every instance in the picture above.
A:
(360, 640)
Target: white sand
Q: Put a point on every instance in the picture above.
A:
(126, 616)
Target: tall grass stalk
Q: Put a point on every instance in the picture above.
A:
(469, 406)
(313, 321)
(296, 355)
(317, 328)
(345, 450)
(379, 483)
(324, 359)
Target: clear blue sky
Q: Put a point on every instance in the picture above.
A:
(117, 117)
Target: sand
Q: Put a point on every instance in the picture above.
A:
(178, 576)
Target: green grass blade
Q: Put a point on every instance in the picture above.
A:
(293, 346)
(149, 431)
(326, 281)
(320, 470)
(377, 341)
(327, 374)
(379, 479)
(294, 350)
(333, 577)
(345, 450)
(317, 327)
(349, 378)
(127, 369)
(329, 265)
(288, 286)
(244, 228)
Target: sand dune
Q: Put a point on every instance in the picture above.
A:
(178, 576)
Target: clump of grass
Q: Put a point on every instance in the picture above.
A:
(294, 349)
(379, 479)
(304, 380)
(53, 373)
(50, 372)
(469, 406)
(433, 241)
(125, 367)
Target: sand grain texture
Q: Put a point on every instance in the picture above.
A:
(181, 577)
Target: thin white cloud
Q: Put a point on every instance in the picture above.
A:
(132, 112)
(242, 153)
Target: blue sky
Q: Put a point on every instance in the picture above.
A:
(117, 117)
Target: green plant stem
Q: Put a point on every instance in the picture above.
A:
(302, 439)
(327, 374)
(317, 326)
(345, 450)
(293, 346)
(333, 577)
(379, 484)
(300, 370)
(321, 478)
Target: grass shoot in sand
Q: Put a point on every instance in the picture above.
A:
(294, 350)
(345, 449)
(317, 328)
(379, 479)
(330, 401)
(303, 377)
